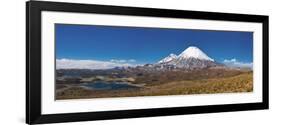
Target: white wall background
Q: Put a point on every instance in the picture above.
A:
(12, 64)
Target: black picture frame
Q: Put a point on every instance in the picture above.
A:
(33, 61)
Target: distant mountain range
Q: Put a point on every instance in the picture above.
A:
(190, 58)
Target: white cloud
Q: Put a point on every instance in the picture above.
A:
(230, 61)
(90, 64)
(122, 61)
(118, 61)
(131, 60)
(235, 63)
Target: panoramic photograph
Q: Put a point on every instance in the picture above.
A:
(94, 61)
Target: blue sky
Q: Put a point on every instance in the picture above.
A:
(148, 45)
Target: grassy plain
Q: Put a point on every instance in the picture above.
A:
(242, 82)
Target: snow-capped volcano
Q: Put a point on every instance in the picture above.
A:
(190, 58)
(168, 58)
(194, 52)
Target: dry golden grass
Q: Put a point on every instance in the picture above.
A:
(234, 84)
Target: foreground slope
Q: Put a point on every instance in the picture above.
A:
(233, 84)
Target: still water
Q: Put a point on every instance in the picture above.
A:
(109, 86)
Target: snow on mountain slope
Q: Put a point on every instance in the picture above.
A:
(168, 58)
(194, 52)
(190, 58)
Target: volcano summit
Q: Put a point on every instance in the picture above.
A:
(190, 58)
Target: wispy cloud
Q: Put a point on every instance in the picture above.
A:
(131, 60)
(235, 63)
(91, 64)
(122, 61)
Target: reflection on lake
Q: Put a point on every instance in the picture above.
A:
(108, 86)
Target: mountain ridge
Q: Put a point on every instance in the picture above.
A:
(190, 58)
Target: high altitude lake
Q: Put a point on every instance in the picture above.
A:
(109, 86)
